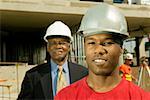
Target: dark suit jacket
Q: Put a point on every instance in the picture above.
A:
(37, 83)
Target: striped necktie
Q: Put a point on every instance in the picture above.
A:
(61, 82)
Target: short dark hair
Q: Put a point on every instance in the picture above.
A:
(118, 39)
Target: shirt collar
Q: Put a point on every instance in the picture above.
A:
(54, 66)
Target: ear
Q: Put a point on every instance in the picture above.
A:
(70, 46)
(122, 50)
(47, 47)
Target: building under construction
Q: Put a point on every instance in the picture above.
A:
(23, 24)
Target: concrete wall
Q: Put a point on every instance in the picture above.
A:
(10, 80)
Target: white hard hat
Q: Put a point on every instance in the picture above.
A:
(58, 29)
(128, 56)
(104, 18)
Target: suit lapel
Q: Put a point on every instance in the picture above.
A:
(72, 72)
(46, 78)
(76, 72)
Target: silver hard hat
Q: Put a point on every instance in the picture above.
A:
(104, 18)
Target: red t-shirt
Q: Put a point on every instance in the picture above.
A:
(79, 90)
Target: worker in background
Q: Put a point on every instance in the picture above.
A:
(104, 28)
(144, 74)
(145, 64)
(125, 69)
(144, 61)
(44, 81)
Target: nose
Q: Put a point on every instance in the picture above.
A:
(100, 50)
(58, 46)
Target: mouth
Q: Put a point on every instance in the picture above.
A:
(59, 51)
(99, 61)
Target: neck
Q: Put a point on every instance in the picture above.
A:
(60, 62)
(101, 83)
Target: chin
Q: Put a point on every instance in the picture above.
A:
(102, 73)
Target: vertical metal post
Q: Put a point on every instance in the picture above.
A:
(2, 93)
(84, 58)
(137, 51)
(17, 78)
(140, 76)
(9, 91)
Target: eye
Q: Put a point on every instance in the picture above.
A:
(51, 43)
(107, 43)
(62, 43)
(91, 43)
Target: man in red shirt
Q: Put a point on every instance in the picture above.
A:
(104, 28)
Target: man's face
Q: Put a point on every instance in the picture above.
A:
(58, 48)
(102, 54)
(128, 61)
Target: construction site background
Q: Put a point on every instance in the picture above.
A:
(21, 20)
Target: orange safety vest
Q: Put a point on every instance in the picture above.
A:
(126, 72)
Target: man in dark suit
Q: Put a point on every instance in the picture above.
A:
(41, 82)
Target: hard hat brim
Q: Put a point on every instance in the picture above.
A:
(57, 36)
(94, 31)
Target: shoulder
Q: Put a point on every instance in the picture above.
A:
(138, 92)
(36, 73)
(123, 66)
(77, 66)
(39, 68)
